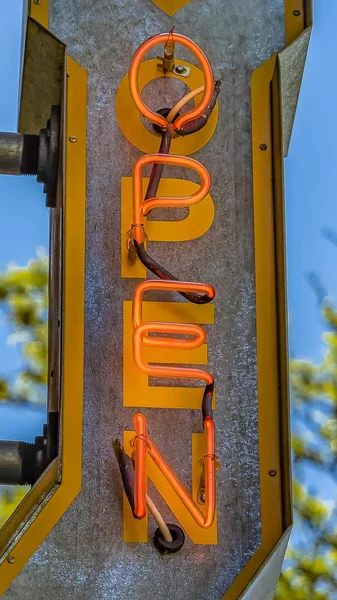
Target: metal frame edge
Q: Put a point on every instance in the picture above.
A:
(73, 342)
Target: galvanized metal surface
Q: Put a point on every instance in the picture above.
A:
(292, 63)
(11, 461)
(84, 557)
(11, 148)
(27, 511)
(42, 78)
(263, 586)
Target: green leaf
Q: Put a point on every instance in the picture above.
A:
(24, 296)
(329, 429)
(4, 390)
(330, 315)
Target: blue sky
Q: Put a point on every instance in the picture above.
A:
(310, 171)
(311, 213)
(23, 216)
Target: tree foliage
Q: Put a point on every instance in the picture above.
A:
(310, 568)
(10, 498)
(24, 311)
(24, 308)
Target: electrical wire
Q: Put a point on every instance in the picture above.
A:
(160, 521)
(181, 103)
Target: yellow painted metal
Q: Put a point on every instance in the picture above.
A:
(137, 531)
(136, 389)
(280, 237)
(294, 19)
(25, 510)
(270, 322)
(198, 221)
(130, 120)
(39, 11)
(298, 16)
(52, 509)
(170, 7)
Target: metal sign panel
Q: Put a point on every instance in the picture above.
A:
(234, 241)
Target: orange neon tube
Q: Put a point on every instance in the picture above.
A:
(134, 86)
(142, 207)
(141, 331)
(144, 445)
(157, 335)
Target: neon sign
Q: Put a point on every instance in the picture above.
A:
(170, 124)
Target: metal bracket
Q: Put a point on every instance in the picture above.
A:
(24, 154)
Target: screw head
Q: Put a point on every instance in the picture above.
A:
(203, 497)
(72, 139)
(11, 560)
(272, 472)
(263, 147)
(37, 1)
(296, 13)
(180, 69)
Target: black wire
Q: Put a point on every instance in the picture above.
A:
(207, 411)
(163, 273)
(200, 122)
(151, 192)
